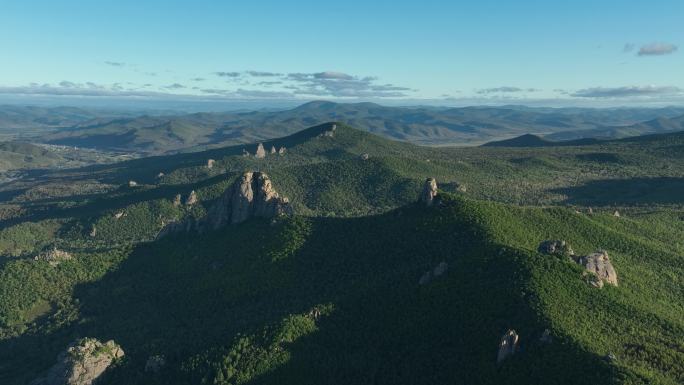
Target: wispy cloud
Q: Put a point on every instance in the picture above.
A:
(504, 89)
(627, 92)
(224, 74)
(657, 49)
(263, 74)
(175, 86)
(115, 63)
(339, 84)
(198, 79)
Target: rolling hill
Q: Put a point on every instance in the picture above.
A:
(335, 293)
(432, 126)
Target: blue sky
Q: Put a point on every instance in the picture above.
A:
(447, 52)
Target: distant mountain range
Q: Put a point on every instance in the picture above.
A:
(150, 134)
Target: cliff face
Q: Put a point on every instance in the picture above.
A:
(250, 196)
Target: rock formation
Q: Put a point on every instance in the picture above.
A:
(119, 215)
(365, 156)
(598, 264)
(245, 152)
(429, 192)
(53, 256)
(82, 363)
(555, 247)
(281, 151)
(434, 273)
(192, 198)
(260, 152)
(329, 133)
(210, 163)
(616, 214)
(177, 200)
(252, 195)
(93, 231)
(132, 183)
(160, 175)
(508, 346)
(273, 150)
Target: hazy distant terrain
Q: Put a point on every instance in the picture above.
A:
(159, 134)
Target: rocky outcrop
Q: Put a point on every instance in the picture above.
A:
(82, 363)
(599, 265)
(132, 183)
(616, 214)
(281, 151)
(429, 192)
(260, 152)
(273, 150)
(508, 345)
(555, 247)
(177, 200)
(210, 163)
(53, 256)
(192, 198)
(252, 195)
(364, 156)
(430, 275)
(329, 133)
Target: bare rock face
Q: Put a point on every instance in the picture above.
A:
(508, 345)
(429, 192)
(598, 263)
(252, 195)
(53, 256)
(177, 200)
(210, 163)
(273, 150)
(82, 363)
(192, 198)
(556, 247)
(329, 133)
(260, 152)
(616, 214)
(281, 151)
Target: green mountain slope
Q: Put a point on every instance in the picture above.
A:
(333, 294)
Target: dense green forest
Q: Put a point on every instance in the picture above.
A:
(334, 293)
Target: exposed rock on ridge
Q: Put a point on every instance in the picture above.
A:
(252, 195)
(598, 263)
(82, 363)
(429, 192)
